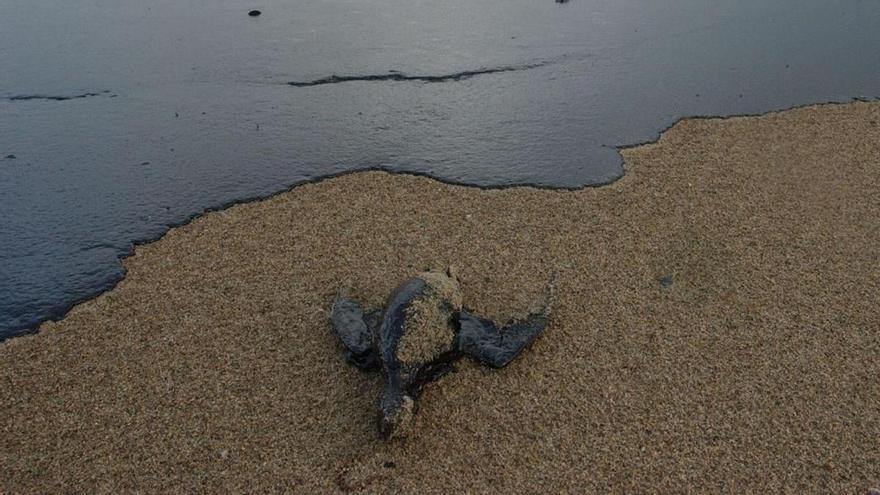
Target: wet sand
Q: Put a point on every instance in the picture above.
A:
(212, 366)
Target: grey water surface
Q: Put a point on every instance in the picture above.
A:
(120, 118)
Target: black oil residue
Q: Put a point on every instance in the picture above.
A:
(399, 76)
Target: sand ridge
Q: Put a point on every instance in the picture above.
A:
(212, 366)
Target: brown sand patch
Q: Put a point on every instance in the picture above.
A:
(428, 333)
(213, 367)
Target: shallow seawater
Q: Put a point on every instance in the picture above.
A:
(120, 118)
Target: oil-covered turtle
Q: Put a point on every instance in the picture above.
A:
(420, 332)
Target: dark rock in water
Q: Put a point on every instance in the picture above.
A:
(254, 13)
(561, 1)
(666, 281)
(11, 157)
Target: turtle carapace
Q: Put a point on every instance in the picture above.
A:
(420, 332)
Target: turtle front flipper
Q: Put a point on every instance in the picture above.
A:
(356, 330)
(484, 341)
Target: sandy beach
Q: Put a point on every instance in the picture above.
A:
(752, 367)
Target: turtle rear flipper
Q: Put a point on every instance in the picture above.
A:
(356, 330)
(484, 341)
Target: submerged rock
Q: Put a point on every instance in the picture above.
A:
(254, 13)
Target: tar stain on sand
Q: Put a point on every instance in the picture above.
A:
(213, 367)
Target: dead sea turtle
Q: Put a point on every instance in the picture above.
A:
(420, 332)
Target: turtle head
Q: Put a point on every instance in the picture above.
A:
(396, 413)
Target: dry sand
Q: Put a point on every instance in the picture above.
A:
(212, 366)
